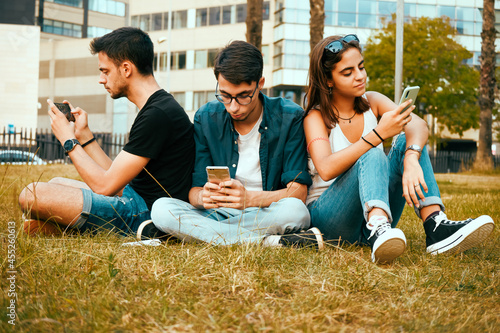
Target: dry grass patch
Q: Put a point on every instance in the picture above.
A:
(82, 284)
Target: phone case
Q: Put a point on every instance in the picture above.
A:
(409, 93)
(64, 108)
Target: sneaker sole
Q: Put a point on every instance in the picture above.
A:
(319, 238)
(469, 236)
(390, 249)
(141, 228)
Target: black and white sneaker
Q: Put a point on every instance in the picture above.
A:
(147, 230)
(309, 238)
(387, 243)
(444, 235)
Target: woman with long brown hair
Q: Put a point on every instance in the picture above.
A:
(358, 193)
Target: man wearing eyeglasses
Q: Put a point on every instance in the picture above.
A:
(261, 141)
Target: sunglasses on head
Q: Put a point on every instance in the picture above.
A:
(336, 46)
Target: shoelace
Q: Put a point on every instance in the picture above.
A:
(378, 227)
(442, 218)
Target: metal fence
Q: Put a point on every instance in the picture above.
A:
(47, 147)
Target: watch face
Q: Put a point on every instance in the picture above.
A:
(68, 145)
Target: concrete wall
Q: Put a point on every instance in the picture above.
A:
(19, 51)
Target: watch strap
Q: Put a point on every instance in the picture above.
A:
(414, 148)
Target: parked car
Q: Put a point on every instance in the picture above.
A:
(19, 157)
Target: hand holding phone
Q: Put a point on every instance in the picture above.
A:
(64, 108)
(409, 93)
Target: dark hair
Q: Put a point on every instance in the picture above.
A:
(318, 94)
(239, 62)
(127, 43)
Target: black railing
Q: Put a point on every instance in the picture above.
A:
(45, 145)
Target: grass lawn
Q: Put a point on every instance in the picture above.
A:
(82, 284)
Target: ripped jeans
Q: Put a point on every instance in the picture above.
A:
(374, 181)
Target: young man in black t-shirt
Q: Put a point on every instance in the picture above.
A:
(156, 162)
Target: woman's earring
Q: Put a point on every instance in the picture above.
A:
(330, 89)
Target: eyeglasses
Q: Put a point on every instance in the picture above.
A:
(336, 46)
(241, 100)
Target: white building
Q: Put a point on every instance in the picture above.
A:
(198, 29)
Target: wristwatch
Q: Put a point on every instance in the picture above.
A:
(416, 148)
(69, 145)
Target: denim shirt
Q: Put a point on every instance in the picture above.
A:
(282, 149)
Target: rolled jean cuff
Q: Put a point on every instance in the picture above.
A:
(429, 201)
(377, 204)
(87, 205)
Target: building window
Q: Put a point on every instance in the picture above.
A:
(180, 97)
(411, 10)
(228, 14)
(157, 21)
(241, 13)
(108, 7)
(426, 10)
(367, 21)
(178, 60)
(265, 53)
(265, 10)
(211, 57)
(200, 59)
(367, 7)
(201, 17)
(214, 15)
(179, 19)
(202, 97)
(347, 19)
(72, 3)
(97, 32)
(446, 11)
(62, 28)
(144, 22)
(387, 8)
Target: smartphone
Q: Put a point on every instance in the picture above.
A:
(217, 174)
(64, 108)
(409, 93)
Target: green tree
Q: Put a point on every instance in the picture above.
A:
(433, 60)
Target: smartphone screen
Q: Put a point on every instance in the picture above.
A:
(409, 93)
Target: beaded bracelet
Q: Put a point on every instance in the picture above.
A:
(368, 142)
(315, 139)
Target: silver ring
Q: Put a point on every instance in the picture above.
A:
(416, 185)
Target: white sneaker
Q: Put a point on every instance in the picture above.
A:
(387, 243)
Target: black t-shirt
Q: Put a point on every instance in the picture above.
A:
(162, 132)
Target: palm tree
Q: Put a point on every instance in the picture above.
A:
(254, 23)
(317, 24)
(484, 160)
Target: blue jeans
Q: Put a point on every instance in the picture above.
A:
(225, 226)
(121, 214)
(374, 181)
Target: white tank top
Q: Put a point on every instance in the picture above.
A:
(338, 141)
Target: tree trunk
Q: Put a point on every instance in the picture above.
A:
(254, 23)
(484, 160)
(317, 23)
